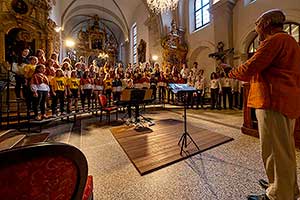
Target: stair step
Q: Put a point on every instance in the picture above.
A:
(32, 139)
(4, 133)
(11, 142)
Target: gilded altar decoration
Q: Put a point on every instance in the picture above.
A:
(142, 51)
(26, 24)
(161, 6)
(95, 43)
(175, 49)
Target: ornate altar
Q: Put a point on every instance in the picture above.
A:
(174, 47)
(94, 42)
(26, 24)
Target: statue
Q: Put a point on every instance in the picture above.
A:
(174, 30)
(142, 51)
(221, 54)
(220, 57)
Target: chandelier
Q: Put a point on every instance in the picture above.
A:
(103, 55)
(161, 6)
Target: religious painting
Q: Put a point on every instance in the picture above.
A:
(19, 6)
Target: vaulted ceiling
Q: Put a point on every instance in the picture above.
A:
(115, 15)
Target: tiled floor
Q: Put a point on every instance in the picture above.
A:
(229, 171)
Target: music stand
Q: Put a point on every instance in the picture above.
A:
(184, 88)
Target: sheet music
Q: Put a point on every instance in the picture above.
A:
(181, 88)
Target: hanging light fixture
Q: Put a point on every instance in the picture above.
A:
(161, 6)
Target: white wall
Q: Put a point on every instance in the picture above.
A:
(140, 16)
(55, 13)
(245, 16)
(200, 42)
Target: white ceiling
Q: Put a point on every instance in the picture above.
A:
(116, 15)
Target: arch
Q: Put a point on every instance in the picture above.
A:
(101, 9)
(115, 3)
(26, 26)
(202, 43)
(86, 20)
(202, 51)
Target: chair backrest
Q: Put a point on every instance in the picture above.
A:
(43, 171)
(103, 100)
(148, 94)
(125, 95)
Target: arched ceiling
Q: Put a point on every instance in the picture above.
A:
(116, 15)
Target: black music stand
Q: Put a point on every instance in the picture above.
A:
(137, 98)
(185, 89)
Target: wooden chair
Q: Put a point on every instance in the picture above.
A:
(45, 171)
(108, 109)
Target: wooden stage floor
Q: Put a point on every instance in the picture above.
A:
(157, 146)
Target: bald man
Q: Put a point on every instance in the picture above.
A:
(274, 76)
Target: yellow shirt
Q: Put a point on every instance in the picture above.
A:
(58, 83)
(73, 83)
(29, 70)
(108, 84)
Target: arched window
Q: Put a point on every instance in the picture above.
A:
(134, 43)
(201, 12)
(290, 27)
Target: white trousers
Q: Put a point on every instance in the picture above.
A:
(278, 153)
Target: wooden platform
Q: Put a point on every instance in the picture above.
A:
(157, 146)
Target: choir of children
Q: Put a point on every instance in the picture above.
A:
(69, 83)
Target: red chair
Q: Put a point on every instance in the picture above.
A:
(45, 171)
(106, 108)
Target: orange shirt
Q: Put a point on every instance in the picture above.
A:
(274, 75)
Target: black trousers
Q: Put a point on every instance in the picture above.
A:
(40, 100)
(200, 98)
(235, 99)
(227, 92)
(117, 96)
(214, 98)
(29, 96)
(60, 96)
(153, 87)
(161, 93)
(108, 95)
(87, 94)
(20, 82)
(241, 104)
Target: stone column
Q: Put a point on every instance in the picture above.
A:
(126, 55)
(154, 45)
(181, 15)
(222, 14)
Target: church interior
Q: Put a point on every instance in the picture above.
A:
(119, 99)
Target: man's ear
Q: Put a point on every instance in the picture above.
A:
(266, 23)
